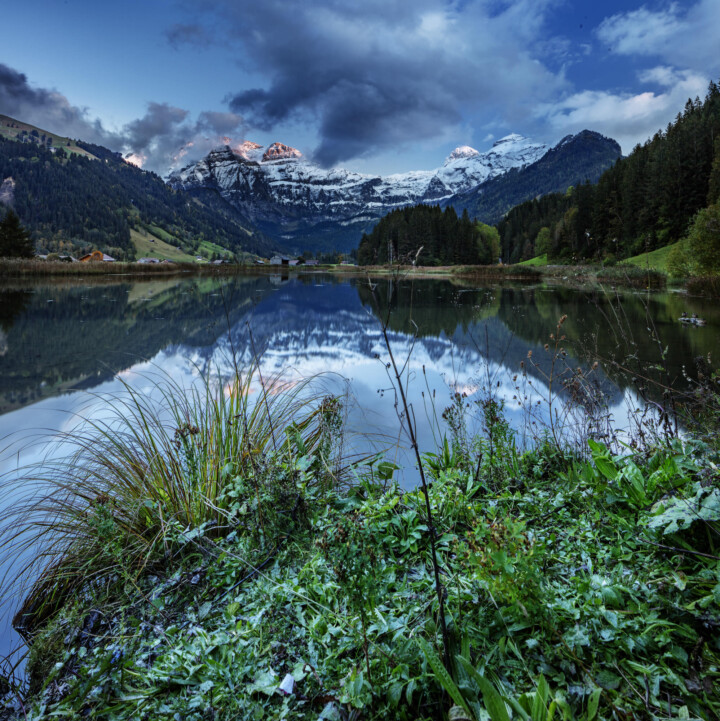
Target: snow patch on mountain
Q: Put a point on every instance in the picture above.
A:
(464, 151)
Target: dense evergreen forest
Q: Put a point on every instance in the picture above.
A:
(71, 203)
(430, 236)
(645, 201)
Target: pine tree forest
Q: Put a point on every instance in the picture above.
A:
(645, 201)
(429, 236)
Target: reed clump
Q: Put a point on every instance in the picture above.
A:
(131, 490)
(708, 285)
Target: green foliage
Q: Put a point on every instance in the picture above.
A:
(591, 597)
(14, 239)
(703, 240)
(429, 236)
(543, 241)
(643, 202)
(488, 244)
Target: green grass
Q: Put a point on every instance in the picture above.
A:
(539, 260)
(58, 141)
(656, 259)
(161, 233)
(208, 248)
(152, 246)
(133, 482)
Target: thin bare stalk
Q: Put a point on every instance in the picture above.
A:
(410, 428)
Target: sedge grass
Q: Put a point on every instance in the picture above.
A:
(134, 483)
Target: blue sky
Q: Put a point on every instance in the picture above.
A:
(378, 86)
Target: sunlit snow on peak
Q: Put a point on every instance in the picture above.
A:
(463, 151)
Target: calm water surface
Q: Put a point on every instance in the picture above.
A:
(62, 346)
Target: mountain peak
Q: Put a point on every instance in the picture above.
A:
(511, 139)
(462, 151)
(248, 150)
(279, 151)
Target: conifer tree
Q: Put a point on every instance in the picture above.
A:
(15, 241)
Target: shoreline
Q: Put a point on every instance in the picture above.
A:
(621, 275)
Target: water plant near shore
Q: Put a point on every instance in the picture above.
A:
(128, 488)
(591, 590)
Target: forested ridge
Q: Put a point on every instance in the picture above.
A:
(73, 204)
(575, 159)
(645, 201)
(430, 236)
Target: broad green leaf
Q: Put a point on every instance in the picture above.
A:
(441, 674)
(395, 693)
(593, 703)
(491, 698)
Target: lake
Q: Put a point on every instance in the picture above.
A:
(65, 347)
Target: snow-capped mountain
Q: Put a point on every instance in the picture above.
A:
(294, 200)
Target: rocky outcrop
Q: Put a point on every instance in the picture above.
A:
(278, 151)
(7, 191)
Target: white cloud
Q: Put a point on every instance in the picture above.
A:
(628, 118)
(685, 37)
(661, 75)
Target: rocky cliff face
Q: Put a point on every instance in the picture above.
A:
(303, 205)
(7, 191)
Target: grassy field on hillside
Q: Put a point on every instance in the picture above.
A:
(208, 248)
(12, 129)
(656, 259)
(539, 260)
(150, 246)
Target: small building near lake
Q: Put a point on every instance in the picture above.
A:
(283, 260)
(97, 256)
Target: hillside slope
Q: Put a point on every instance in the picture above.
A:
(574, 160)
(92, 199)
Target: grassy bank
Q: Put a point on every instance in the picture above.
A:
(21, 268)
(620, 275)
(220, 560)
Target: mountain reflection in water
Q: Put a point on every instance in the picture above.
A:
(58, 340)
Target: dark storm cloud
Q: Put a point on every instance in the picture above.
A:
(218, 123)
(381, 73)
(47, 108)
(161, 124)
(157, 140)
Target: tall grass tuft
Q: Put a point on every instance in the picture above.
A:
(136, 485)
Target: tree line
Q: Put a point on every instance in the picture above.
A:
(647, 200)
(429, 236)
